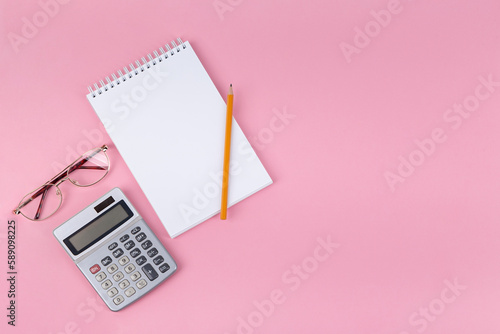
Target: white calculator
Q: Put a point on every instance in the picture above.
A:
(116, 250)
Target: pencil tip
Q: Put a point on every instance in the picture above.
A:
(231, 85)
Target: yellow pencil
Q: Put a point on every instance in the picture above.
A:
(227, 151)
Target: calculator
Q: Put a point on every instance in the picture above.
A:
(115, 250)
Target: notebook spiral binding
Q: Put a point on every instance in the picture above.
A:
(120, 76)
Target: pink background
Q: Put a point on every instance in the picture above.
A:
(399, 250)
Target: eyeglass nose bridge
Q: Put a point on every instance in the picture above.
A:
(67, 178)
(59, 182)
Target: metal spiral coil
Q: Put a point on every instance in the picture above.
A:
(128, 73)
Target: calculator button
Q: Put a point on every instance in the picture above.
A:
(146, 244)
(99, 277)
(164, 267)
(106, 284)
(118, 252)
(141, 284)
(129, 244)
(129, 268)
(118, 276)
(112, 292)
(112, 268)
(158, 260)
(95, 268)
(123, 261)
(150, 272)
(107, 260)
(118, 300)
(134, 252)
(124, 238)
(141, 260)
(152, 252)
(140, 237)
(135, 230)
(129, 292)
(113, 246)
(135, 276)
(123, 284)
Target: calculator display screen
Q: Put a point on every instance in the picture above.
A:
(98, 228)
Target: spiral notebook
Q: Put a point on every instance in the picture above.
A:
(167, 120)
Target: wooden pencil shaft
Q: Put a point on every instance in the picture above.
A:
(227, 153)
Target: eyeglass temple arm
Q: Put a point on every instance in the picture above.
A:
(39, 210)
(76, 164)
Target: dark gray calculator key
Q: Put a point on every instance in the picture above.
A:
(159, 259)
(141, 260)
(146, 244)
(140, 237)
(129, 244)
(135, 252)
(135, 230)
(113, 246)
(124, 238)
(107, 260)
(118, 252)
(164, 267)
(152, 252)
(150, 272)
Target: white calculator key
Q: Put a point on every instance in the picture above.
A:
(118, 276)
(119, 299)
(123, 284)
(112, 292)
(141, 284)
(106, 284)
(123, 261)
(112, 268)
(129, 292)
(99, 277)
(129, 268)
(135, 276)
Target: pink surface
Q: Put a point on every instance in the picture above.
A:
(418, 253)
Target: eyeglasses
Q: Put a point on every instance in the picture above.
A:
(90, 168)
